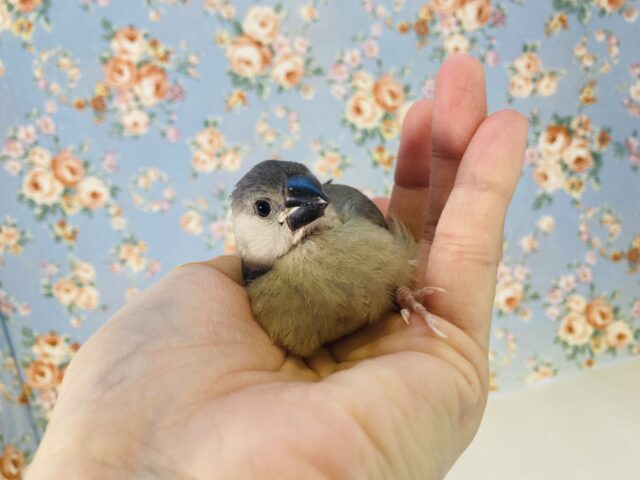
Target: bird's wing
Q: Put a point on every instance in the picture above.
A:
(350, 203)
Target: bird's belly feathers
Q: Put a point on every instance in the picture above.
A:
(332, 283)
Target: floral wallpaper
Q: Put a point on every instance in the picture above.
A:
(126, 124)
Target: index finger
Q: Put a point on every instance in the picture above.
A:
(467, 245)
(411, 183)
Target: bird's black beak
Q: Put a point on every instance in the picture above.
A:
(304, 192)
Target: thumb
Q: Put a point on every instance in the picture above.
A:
(229, 265)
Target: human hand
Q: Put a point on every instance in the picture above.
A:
(183, 383)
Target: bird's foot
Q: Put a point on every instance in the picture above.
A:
(413, 301)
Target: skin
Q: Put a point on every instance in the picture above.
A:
(182, 383)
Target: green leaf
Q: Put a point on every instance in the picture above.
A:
(618, 149)
(41, 424)
(28, 338)
(108, 28)
(542, 200)
(584, 15)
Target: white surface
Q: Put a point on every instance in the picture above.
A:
(585, 427)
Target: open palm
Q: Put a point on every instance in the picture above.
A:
(183, 383)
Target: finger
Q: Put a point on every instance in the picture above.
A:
(322, 363)
(460, 105)
(382, 203)
(229, 265)
(468, 239)
(410, 190)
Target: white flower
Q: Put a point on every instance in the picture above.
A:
(521, 273)
(456, 43)
(88, 298)
(584, 274)
(352, 57)
(129, 43)
(204, 161)
(547, 85)
(554, 296)
(261, 23)
(552, 312)
(528, 243)
(309, 13)
(549, 176)
(231, 160)
(41, 186)
(363, 111)
(520, 86)
(634, 91)
(191, 222)
(508, 296)
(52, 347)
(567, 283)
(27, 134)
(288, 71)
(371, 49)
(618, 334)
(527, 64)
(84, 271)
(576, 303)
(65, 291)
(362, 81)
(135, 122)
(92, 193)
(575, 330)
(40, 157)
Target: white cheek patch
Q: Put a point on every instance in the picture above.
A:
(261, 241)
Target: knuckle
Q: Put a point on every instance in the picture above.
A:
(487, 180)
(429, 231)
(484, 185)
(456, 248)
(448, 149)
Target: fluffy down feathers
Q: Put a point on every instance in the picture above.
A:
(334, 282)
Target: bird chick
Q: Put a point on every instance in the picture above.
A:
(319, 261)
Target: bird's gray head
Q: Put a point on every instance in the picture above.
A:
(274, 206)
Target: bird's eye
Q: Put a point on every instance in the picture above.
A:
(262, 208)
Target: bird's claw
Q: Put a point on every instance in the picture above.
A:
(408, 302)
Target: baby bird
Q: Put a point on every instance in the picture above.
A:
(319, 260)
